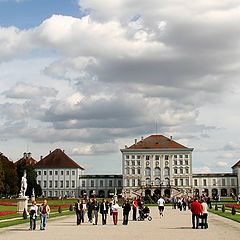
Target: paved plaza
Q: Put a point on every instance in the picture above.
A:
(174, 225)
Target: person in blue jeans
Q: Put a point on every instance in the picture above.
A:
(44, 212)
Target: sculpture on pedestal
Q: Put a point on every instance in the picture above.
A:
(23, 185)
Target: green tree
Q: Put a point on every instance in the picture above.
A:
(2, 178)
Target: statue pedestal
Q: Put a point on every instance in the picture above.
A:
(22, 202)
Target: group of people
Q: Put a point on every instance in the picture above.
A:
(92, 208)
(44, 211)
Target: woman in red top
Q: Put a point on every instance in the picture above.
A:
(134, 207)
(196, 209)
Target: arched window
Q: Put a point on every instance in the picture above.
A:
(157, 171)
(157, 181)
(147, 171)
(148, 181)
(167, 181)
(166, 171)
(133, 170)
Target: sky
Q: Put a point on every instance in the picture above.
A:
(90, 76)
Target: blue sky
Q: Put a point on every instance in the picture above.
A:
(92, 81)
(30, 13)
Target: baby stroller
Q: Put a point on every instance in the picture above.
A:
(144, 212)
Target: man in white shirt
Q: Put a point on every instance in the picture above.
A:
(161, 203)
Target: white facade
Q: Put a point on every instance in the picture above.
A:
(57, 182)
(164, 170)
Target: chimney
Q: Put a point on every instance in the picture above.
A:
(63, 151)
(50, 151)
(126, 146)
(141, 138)
(171, 138)
(29, 155)
(135, 141)
(41, 157)
(25, 155)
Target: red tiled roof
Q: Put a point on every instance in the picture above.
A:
(237, 164)
(27, 159)
(156, 141)
(57, 159)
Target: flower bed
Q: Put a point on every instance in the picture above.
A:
(8, 204)
(3, 213)
(57, 206)
(237, 206)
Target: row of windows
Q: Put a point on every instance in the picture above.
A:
(181, 182)
(56, 172)
(175, 162)
(57, 184)
(157, 157)
(101, 183)
(181, 170)
(214, 182)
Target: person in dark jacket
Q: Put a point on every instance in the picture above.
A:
(104, 211)
(95, 207)
(90, 210)
(79, 212)
(126, 209)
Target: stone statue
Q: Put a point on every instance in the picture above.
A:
(23, 185)
(33, 192)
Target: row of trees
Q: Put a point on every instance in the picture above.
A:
(11, 175)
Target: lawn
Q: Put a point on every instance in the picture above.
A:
(226, 214)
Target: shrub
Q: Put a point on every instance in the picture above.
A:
(233, 211)
(59, 209)
(216, 207)
(71, 207)
(24, 214)
(223, 208)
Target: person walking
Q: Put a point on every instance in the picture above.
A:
(104, 211)
(90, 210)
(126, 209)
(204, 214)
(134, 208)
(84, 210)
(95, 211)
(78, 210)
(115, 208)
(33, 215)
(161, 203)
(196, 209)
(44, 212)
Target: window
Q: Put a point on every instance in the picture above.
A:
(56, 184)
(133, 170)
(175, 162)
(181, 162)
(214, 181)
(148, 181)
(73, 173)
(127, 156)
(73, 184)
(110, 183)
(92, 183)
(138, 163)
(204, 182)
(186, 156)
(186, 162)
(127, 182)
(175, 156)
(127, 171)
(175, 170)
(44, 172)
(187, 182)
(138, 156)
(138, 171)
(133, 156)
(157, 157)
(232, 182)
(180, 156)
(147, 157)
(119, 183)
(50, 193)
(127, 163)
(67, 184)
(39, 183)
(55, 194)
(56, 172)
(62, 172)
(44, 184)
(223, 182)
(139, 182)
(61, 184)
(101, 183)
(166, 157)
(50, 172)
(148, 171)
(157, 171)
(133, 163)
(181, 182)
(39, 172)
(67, 172)
(187, 170)
(166, 171)
(157, 181)
(50, 184)
(181, 170)
(133, 182)
(195, 182)
(175, 182)
(83, 183)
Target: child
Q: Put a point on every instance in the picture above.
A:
(33, 215)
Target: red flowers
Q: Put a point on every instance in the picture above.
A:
(3, 213)
(237, 206)
(8, 204)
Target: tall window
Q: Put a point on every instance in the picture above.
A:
(62, 172)
(50, 184)
(61, 184)
(67, 172)
(44, 184)
(214, 181)
(56, 184)
(175, 170)
(166, 171)
(204, 182)
(157, 181)
(147, 157)
(147, 171)
(73, 184)
(181, 182)
(157, 171)
(148, 181)
(187, 170)
(73, 173)
(110, 183)
(186, 162)
(50, 172)
(138, 163)
(119, 183)
(195, 182)
(157, 157)
(187, 182)
(176, 182)
(101, 183)
(92, 183)
(139, 171)
(133, 170)
(127, 156)
(223, 182)
(166, 157)
(133, 156)
(67, 184)
(175, 162)
(181, 170)
(83, 183)
(56, 173)
(133, 163)
(39, 172)
(44, 172)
